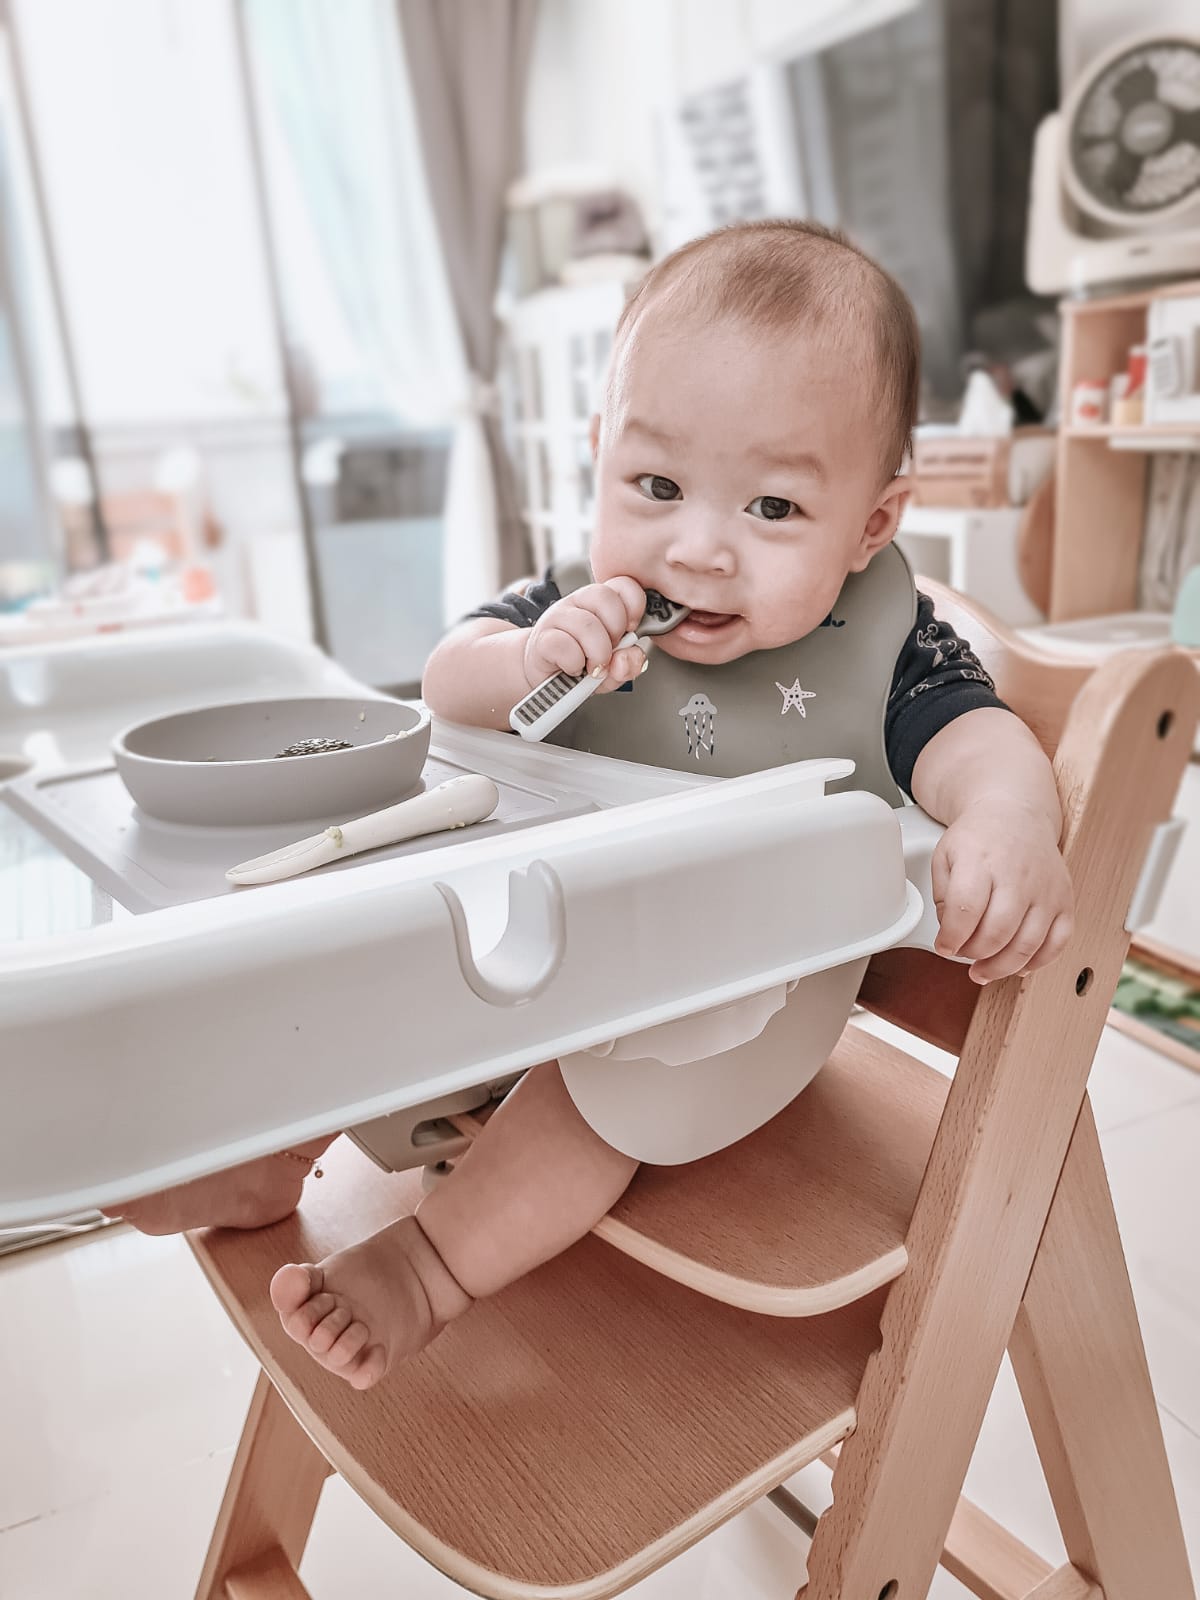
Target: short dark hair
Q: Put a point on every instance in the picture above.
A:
(783, 272)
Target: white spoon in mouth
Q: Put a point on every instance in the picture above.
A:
(456, 804)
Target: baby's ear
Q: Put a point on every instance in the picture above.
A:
(880, 527)
(594, 434)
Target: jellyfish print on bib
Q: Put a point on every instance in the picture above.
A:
(699, 724)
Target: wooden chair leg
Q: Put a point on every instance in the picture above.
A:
(1066, 1584)
(980, 1213)
(270, 1577)
(1079, 1359)
(269, 1505)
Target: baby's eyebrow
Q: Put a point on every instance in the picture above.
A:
(669, 441)
(800, 461)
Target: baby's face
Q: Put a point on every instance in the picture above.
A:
(739, 473)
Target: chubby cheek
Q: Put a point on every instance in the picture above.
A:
(788, 610)
(612, 552)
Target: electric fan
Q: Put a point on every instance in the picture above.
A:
(1115, 194)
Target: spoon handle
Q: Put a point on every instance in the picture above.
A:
(456, 804)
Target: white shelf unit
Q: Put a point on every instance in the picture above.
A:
(974, 552)
(558, 348)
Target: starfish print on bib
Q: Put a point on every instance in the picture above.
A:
(795, 698)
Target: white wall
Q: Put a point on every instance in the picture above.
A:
(601, 69)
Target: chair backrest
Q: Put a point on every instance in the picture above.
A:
(1039, 687)
(997, 1195)
(922, 993)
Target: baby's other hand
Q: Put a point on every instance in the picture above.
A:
(578, 633)
(1003, 896)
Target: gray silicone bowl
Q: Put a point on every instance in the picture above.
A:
(220, 765)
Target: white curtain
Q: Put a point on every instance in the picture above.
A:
(349, 183)
(469, 63)
(345, 143)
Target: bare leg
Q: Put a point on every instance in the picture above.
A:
(250, 1196)
(536, 1180)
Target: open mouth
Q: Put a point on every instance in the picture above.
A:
(704, 627)
(711, 619)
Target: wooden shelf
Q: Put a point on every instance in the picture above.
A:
(1150, 430)
(1138, 300)
(474, 1454)
(1099, 493)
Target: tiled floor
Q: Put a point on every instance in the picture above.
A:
(122, 1390)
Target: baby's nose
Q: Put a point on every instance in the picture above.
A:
(703, 545)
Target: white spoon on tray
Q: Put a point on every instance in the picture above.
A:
(456, 804)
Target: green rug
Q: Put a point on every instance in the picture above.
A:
(1161, 1000)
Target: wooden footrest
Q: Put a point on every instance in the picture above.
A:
(569, 1435)
(810, 1212)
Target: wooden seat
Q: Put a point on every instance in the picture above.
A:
(455, 1448)
(595, 1418)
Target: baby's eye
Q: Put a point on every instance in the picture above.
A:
(656, 488)
(771, 507)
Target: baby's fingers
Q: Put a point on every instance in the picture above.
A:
(625, 665)
(1022, 948)
(557, 651)
(618, 605)
(961, 896)
(632, 597)
(1055, 942)
(576, 642)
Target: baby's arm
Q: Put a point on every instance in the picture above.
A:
(480, 670)
(477, 674)
(1003, 896)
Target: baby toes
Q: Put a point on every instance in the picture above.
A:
(329, 1330)
(370, 1366)
(298, 1296)
(348, 1347)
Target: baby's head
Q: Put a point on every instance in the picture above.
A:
(760, 401)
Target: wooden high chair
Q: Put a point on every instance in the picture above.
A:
(851, 1273)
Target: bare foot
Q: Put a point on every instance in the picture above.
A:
(363, 1309)
(250, 1196)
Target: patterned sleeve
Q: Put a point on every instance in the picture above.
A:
(521, 607)
(937, 679)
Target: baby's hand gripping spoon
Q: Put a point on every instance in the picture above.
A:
(553, 702)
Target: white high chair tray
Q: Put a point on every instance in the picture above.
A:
(146, 864)
(153, 1049)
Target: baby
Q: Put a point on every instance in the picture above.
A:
(760, 402)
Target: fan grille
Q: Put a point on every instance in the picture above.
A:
(1134, 139)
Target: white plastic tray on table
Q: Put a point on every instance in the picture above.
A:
(214, 1026)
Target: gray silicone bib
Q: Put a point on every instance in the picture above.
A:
(825, 695)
